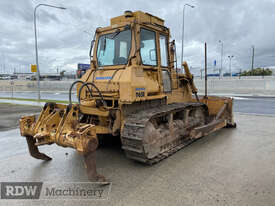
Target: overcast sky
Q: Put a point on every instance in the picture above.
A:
(64, 35)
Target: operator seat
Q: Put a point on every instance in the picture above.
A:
(120, 60)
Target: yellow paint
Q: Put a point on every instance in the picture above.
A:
(120, 85)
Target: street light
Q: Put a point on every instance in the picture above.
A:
(182, 37)
(221, 74)
(230, 57)
(252, 61)
(36, 50)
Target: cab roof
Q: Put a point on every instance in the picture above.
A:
(137, 16)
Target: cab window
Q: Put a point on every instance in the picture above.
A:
(114, 48)
(163, 50)
(148, 50)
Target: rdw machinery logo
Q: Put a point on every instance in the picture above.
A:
(20, 190)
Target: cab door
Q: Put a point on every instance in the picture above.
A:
(148, 48)
(164, 63)
(149, 60)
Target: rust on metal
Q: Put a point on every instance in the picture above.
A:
(33, 150)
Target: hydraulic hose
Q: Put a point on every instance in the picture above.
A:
(71, 88)
(93, 85)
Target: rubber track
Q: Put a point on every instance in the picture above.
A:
(133, 132)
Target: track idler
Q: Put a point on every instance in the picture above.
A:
(60, 124)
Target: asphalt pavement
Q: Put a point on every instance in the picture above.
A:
(255, 105)
(11, 113)
(229, 167)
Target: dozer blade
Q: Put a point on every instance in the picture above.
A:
(60, 124)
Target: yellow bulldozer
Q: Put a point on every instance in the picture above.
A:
(133, 90)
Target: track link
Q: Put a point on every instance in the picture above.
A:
(132, 135)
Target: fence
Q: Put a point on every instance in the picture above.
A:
(18, 85)
(246, 85)
(250, 85)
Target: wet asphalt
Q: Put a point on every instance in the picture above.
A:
(229, 167)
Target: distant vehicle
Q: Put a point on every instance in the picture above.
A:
(13, 77)
(33, 78)
(233, 74)
(213, 75)
(81, 69)
(6, 78)
(50, 77)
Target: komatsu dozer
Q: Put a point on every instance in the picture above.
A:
(133, 90)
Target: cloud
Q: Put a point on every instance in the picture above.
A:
(64, 35)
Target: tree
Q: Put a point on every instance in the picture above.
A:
(257, 72)
(62, 73)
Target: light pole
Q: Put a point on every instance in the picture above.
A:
(221, 74)
(36, 50)
(4, 64)
(182, 35)
(230, 57)
(252, 61)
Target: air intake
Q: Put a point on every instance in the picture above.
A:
(128, 14)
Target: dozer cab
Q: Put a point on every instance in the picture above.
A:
(134, 90)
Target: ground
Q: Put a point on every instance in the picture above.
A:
(229, 167)
(10, 114)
